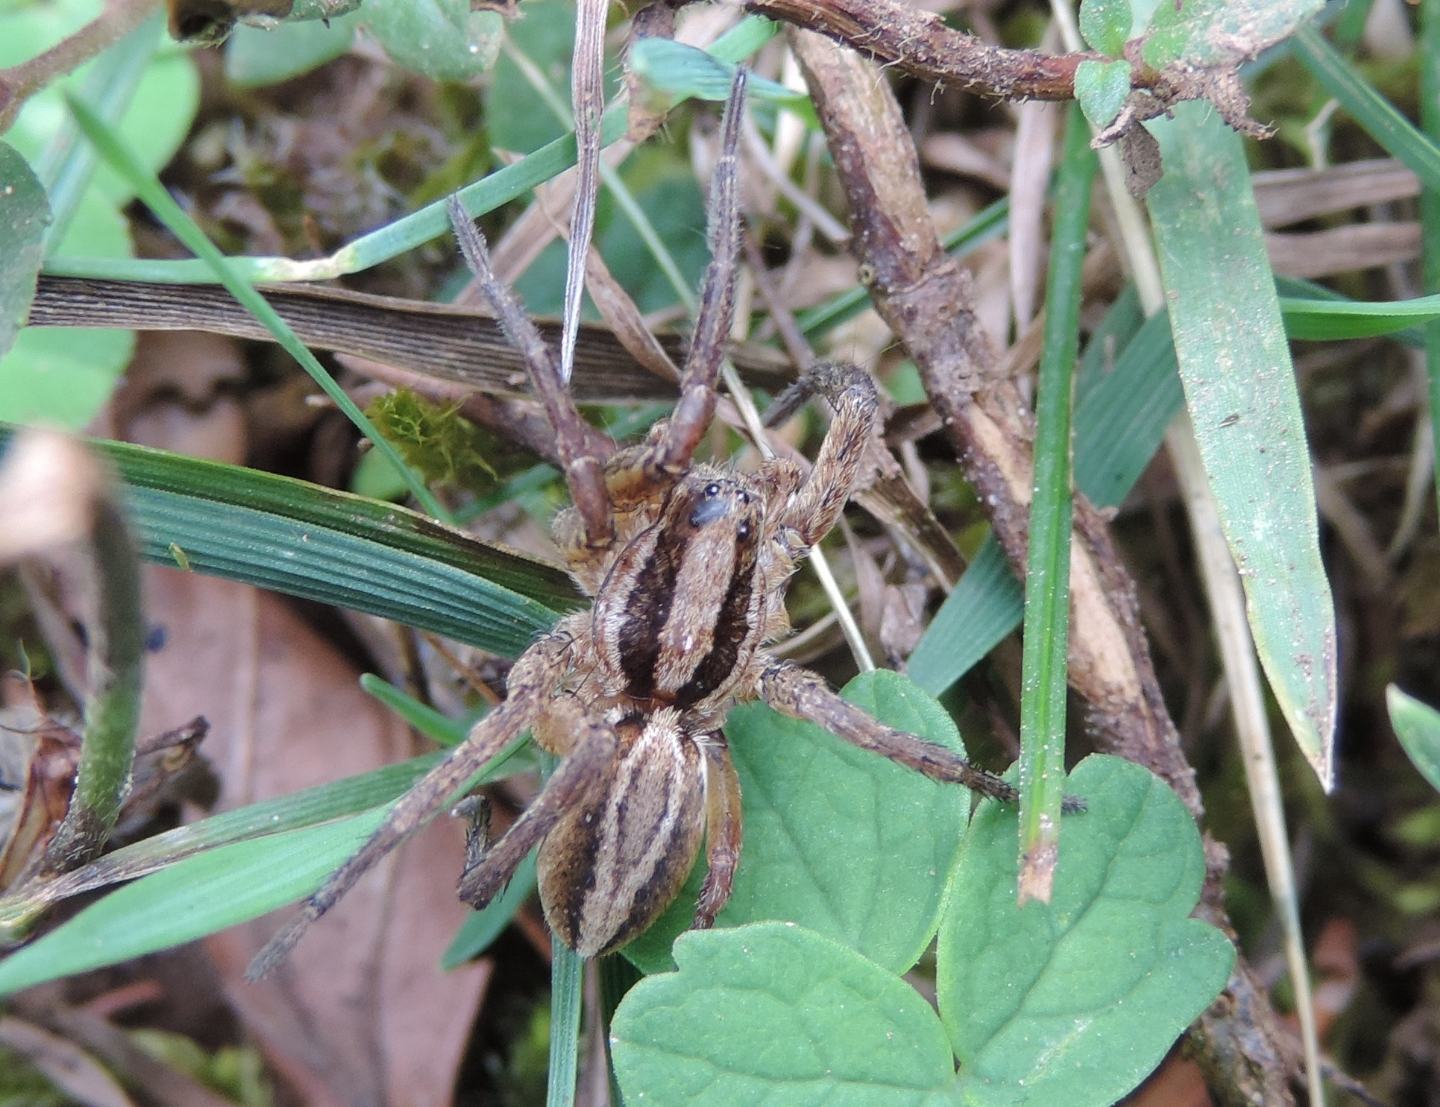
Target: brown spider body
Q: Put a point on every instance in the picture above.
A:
(687, 565)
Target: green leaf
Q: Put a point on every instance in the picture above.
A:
(24, 215)
(424, 718)
(514, 118)
(1073, 1002)
(1330, 319)
(773, 1013)
(191, 898)
(1417, 725)
(1214, 32)
(1105, 25)
(304, 808)
(839, 840)
(64, 376)
(332, 547)
(1101, 88)
(685, 71)
(255, 57)
(443, 39)
(1241, 394)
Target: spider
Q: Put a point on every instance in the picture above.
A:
(687, 564)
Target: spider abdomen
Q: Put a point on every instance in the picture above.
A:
(617, 860)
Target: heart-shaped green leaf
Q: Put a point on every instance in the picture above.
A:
(1073, 1002)
(841, 841)
(773, 1013)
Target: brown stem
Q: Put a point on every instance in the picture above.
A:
(919, 43)
(19, 82)
(927, 301)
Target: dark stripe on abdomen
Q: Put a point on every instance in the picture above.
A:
(648, 606)
(732, 627)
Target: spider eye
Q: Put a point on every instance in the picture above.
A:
(712, 490)
(744, 497)
(742, 531)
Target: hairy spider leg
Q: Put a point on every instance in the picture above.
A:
(590, 748)
(816, 508)
(584, 470)
(533, 679)
(801, 694)
(724, 828)
(667, 455)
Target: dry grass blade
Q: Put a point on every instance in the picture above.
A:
(587, 98)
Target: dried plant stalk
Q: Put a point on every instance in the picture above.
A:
(927, 300)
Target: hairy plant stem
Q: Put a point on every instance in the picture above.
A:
(927, 300)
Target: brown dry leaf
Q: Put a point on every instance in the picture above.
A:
(1342, 249)
(362, 1013)
(1029, 182)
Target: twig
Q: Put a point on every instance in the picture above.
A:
(20, 82)
(927, 301)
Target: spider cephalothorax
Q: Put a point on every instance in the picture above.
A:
(687, 565)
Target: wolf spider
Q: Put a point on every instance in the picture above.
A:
(688, 564)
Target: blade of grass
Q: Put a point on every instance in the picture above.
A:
(69, 164)
(1417, 725)
(1119, 425)
(1428, 49)
(322, 803)
(1325, 320)
(1341, 79)
(479, 931)
(335, 548)
(1241, 394)
(424, 718)
(232, 868)
(148, 188)
(1047, 573)
(190, 899)
(567, 989)
(417, 228)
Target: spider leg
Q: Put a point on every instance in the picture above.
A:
(593, 746)
(802, 694)
(723, 829)
(667, 454)
(584, 470)
(816, 507)
(532, 680)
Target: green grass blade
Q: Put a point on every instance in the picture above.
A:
(1340, 78)
(298, 538)
(1241, 394)
(424, 718)
(1327, 320)
(321, 803)
(479, 931)
(1428, 51)
(149, 189)
(567, 988)
(1119, 424)
(417, 228)
(1047, 574)
(189, 899)
(1417, 725)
